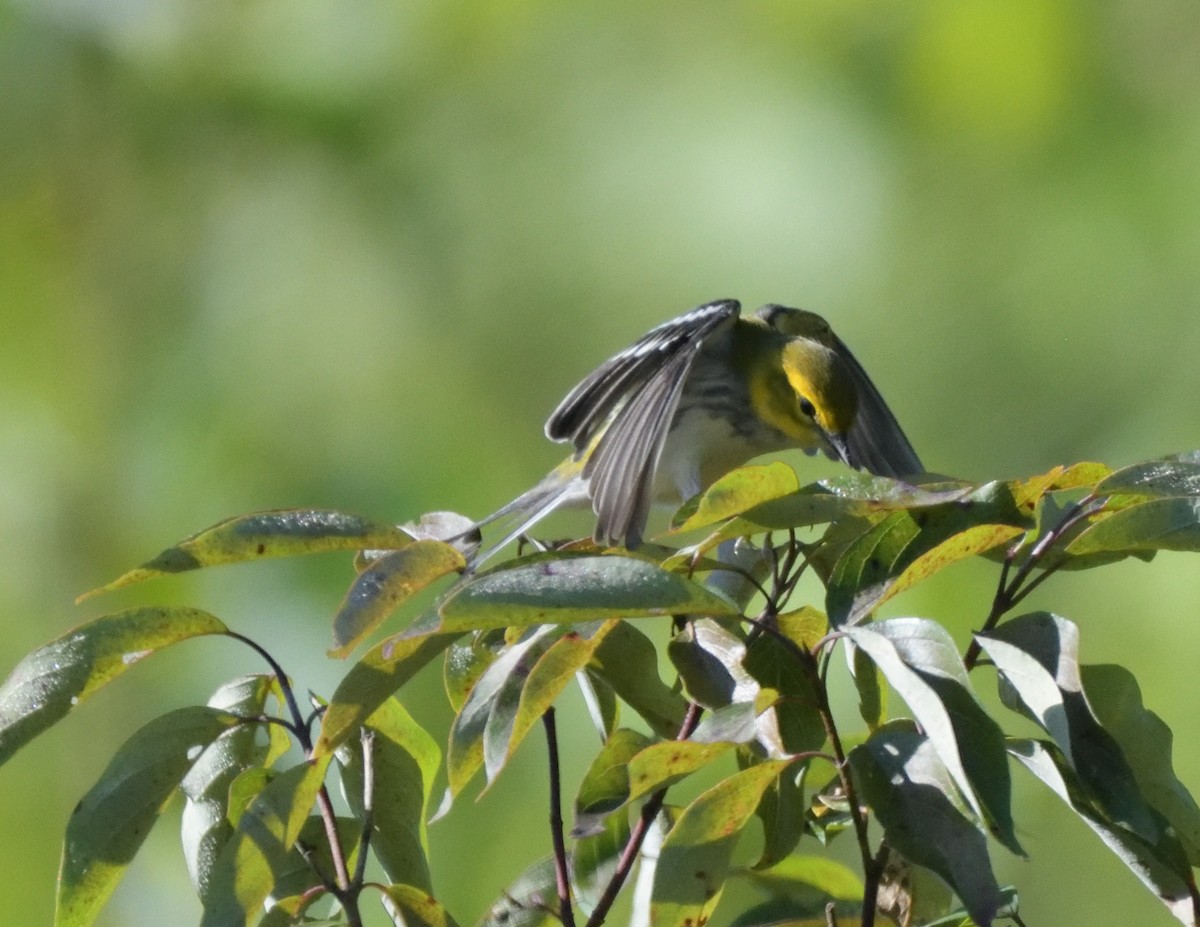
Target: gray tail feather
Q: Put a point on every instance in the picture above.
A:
(522, 513)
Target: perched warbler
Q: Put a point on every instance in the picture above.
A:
(698, 396)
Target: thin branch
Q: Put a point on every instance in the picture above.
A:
(641, 828)
(285, 686)
(562, 878)
(367, 736)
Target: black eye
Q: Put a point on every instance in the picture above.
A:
(807, 407)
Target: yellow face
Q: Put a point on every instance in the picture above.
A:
(809, 396)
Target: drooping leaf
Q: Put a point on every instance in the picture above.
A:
(256, 854)
(417, 907)
(781, 812)
(776, 666)
(282, 533)
(530, 901)
(1162, 868)
(1146, 742)
(206, 823)
(912, 544)
(568, 590)
(498, 692)
(594, 860)
(921, 662)
(382, 671)
(385, 585)
(56, 677)
(605, 786)
(709, 661)
(404, 760)
(554, 669)
(110, 823)
(736, 492)
(465, 662)
(628, 661)
(601, 702)
(901, 776)
(1037, 656)
(694, 860)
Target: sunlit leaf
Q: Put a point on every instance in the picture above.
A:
(1165, 873)
(383, 669)
(497, 690)
(901, 776)
(417, 907)
(56, 677)
(665, 763)
(1160, 524)
(206, 826)
(385, 585)
(554, 669)
(808, 878)
(920, 660)
(465, 662)
(735, 493)
(628, 661)
(282, 533)
(913, 544)
(256, 854)
(694, 860)
(1154, 479)
(1146, 742)
(405, 760)
(1037, 656)
(110, 823)
(568, 590)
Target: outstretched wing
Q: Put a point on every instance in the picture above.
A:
(623, 410)
(875, 441)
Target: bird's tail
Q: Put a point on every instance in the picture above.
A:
(561, 486)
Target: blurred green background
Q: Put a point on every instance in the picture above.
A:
(257, 254)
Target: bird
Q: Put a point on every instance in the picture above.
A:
(696, 397)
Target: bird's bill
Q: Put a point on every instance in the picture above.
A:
(839, 449)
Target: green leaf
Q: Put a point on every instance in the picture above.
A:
(465, 662)
(665, 763)
(921, 661)
(1160, 524)
(537, 692)
(295, 876)
(781, 812)
(56, 677)
(695, 857)
(206, 826)
(568, 590)
(913, 544)
(808, 877)
(417, 907)
(405, 760)
(383, 669)
(901, 776)
(872, 693)
(1169, 476)
(1163, 869)
(530, 901)
(282, 533)
(628, 661)
(1037, 656)
(385, 585)
(605, 786)
(736, 492)
(709, 661)
(794, 706)
(594, 860)
(498, 692)
(257, 852)
(1146, 742)
(109, 825)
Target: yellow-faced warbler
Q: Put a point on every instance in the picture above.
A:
(698, 396)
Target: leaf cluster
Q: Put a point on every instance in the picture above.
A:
(918, 778)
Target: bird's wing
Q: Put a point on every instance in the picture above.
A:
(875, 441)
(623, 411)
